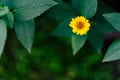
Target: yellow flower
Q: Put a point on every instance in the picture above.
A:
(80, 25)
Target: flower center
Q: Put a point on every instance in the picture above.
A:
(80, 25)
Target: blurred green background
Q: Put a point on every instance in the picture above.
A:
(51, 57)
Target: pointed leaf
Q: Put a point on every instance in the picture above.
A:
(86, 8)
(25, 33)
(29, 9)
(103, 26)
(78, 42)
(113, 52)
(113, 19)
(3, 35)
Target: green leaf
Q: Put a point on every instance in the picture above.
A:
(25, 33)
(103, 26)
(113, 19)
(61, 11)
(96, 39)
(78, 42)
(29, 9)
(86, 8)
(63, 29)
(3, 35)
(113, 52)
(10, 19)
(3, 10)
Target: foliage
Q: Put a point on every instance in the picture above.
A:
(20, 14)
(114, 48)
(101, 22)
(52, 57)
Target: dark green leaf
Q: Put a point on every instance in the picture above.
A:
(113, 52)
(29, 9)
(63, 29)
(96, 39)
(61, 11)
(3, 35)
(86, 8)
(25, 33)
(103, 26)
(78, 42)
(113, 19)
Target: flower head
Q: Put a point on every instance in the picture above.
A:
(80, 25)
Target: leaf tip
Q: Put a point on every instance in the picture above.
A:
(55, 3)
(74, 52)
(104, 61)
(0, 55)
(29, 50)
(104, 15)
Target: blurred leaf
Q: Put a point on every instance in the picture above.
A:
(10, 19)
(61, 11)
(113, 19)
(3, 35)
(63, 29)
(3, 10)
(28, 9)
(78, 42)
(96, 39)
(103, 26)
(113, 52)
(86, 8)
(25, 33)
